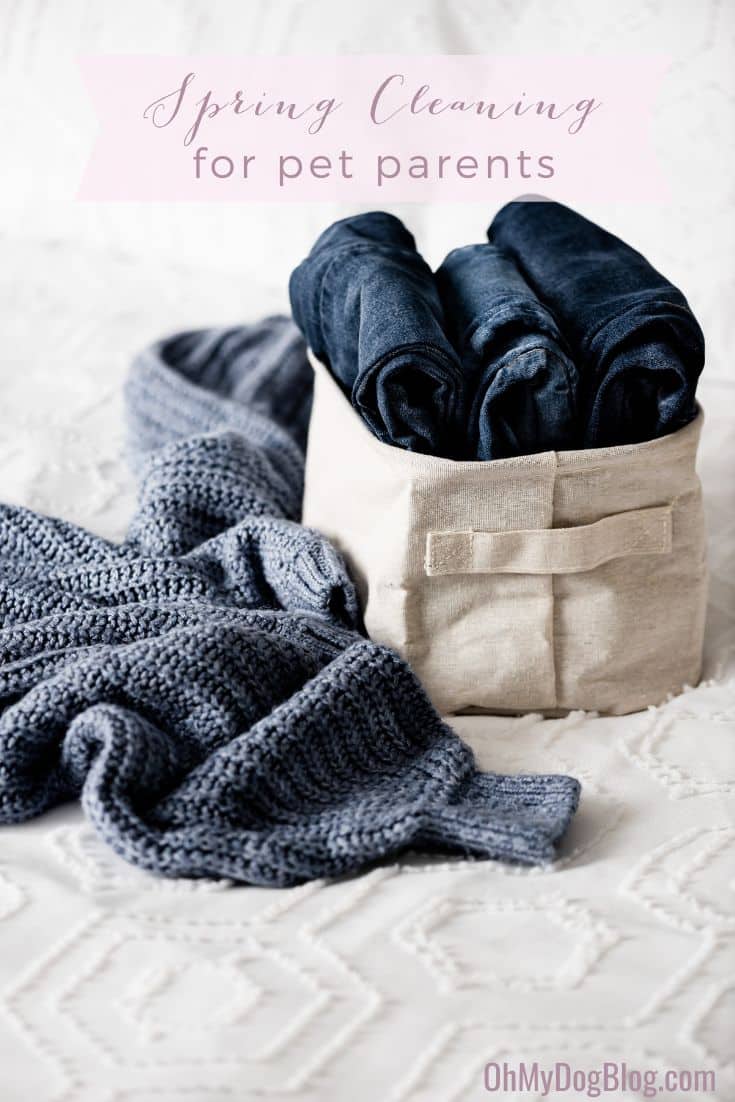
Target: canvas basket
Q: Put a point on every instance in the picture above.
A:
(545, 582)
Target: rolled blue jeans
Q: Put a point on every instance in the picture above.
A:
(636, 342)
(369, 308)
(521, 384)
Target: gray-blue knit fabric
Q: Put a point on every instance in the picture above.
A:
(203, 687)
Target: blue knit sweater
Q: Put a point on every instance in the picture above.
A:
(203, 687)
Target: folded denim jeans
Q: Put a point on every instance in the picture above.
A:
(521, 385)
(636, 343)
(369, 308)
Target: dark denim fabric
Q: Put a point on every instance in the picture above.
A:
(632, 334)
(369, 308)
(520, 383)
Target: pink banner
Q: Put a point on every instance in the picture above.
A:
(374, 129)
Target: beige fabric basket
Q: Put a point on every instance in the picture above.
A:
(543, 583)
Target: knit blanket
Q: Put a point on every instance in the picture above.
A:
(204, 687)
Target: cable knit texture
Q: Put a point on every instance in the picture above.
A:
(203, 687)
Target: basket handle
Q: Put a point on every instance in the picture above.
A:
(550, 550)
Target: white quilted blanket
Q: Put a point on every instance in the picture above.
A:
(398, 986)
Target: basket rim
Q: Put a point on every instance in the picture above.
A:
(668, 447)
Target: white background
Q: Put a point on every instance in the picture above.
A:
(181, 252)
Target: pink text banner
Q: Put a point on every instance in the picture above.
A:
(373, 128)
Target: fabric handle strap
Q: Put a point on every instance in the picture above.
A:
(550, 550)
